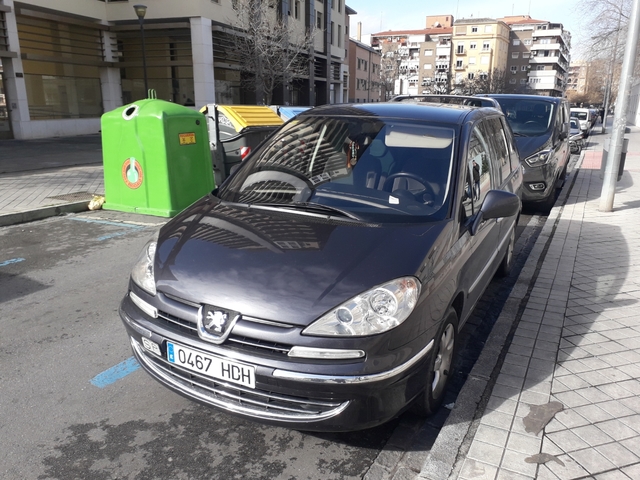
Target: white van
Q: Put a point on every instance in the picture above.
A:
(583, 115)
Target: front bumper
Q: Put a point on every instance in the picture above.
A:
(295, 395)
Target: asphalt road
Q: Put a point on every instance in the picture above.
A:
(74, 405)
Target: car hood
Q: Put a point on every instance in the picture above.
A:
(282, 266)
(527, 146)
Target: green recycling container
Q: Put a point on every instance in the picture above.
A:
(156, 157)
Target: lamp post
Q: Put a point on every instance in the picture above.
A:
(141, 10)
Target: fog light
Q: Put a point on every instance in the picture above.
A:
(537, 186)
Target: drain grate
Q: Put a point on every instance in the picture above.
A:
(74, 197)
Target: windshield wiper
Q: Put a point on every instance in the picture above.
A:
(309, 207)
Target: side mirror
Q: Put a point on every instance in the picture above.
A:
(497, 204)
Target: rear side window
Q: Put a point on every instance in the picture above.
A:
(492, 127)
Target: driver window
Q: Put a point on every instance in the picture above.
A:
(478, 163)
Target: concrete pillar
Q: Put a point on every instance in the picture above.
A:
(202, 53)
(110, 76)
(14, 82)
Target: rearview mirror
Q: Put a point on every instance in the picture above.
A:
(497, 204)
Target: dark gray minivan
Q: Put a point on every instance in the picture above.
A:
(541, 129)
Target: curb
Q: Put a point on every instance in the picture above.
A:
(42, 213)
(461, 424)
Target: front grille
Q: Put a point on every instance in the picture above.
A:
(237, 399)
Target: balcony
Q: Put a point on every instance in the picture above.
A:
(542, 59)
(555, 32)
(545, 46)
(444, 50)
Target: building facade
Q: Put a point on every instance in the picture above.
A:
(539, 58)
(480, 48)
(66, 62)
(364, 73)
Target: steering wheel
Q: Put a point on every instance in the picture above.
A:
(388, 184)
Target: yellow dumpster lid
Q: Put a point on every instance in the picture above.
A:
(242, 116)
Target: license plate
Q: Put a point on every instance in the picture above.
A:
(211, 366)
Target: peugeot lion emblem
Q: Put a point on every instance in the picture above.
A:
(216, 321)
(215, 324)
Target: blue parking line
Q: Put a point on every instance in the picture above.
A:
(111, 235)
(115, 373)
(9, 262)
(105, 222)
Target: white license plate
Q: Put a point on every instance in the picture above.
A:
(211, 366)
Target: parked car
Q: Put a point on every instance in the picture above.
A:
(541, 127)
(323, 286)
(576, 139)
(583, 115)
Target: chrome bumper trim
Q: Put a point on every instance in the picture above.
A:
(353, 379)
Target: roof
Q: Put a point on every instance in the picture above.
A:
(364, 46)
(425, 31)
(521, 20)
(434, 112)
(470, 21)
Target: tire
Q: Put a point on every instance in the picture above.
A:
(440, 369)
(507, 261)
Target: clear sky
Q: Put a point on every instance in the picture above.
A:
(380, 15)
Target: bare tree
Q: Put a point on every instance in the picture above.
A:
(490, 82)
(389, 70)
(271, 52)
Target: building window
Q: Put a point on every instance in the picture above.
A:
(512, 81)
(524, 68)
(523, 81)
(515, 54)
(332, 34)
(319, 20)
(472, 46)
(514, 69)
(526, 54)
(486, 46)
(470, 75)
(545, 40)
(339, 35)
(460, 48)
(339, 6)
(540, 67)
(474, 29)
(516, 42)
(428, 52)
(458, 63)
(527, 41)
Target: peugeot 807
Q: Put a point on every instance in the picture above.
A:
(323, 286)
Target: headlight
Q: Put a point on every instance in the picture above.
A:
(375, 311)
(540, 158)
(142, 273)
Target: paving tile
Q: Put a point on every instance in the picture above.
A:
(527, 444)
(509, 475)
(492, 435)
(571, 419)
(545, 474)
(570, 470)
(571, 399)
(515, 462)
(497, 419)
(612, 475)
(485, 452)
(592, 435)
(618, 455)
(502, 405)
(476, 470)
(513, 381)
(515, 359)
(595, 378)
(615, 391)
(504, 391)
(632, 472)
(632, 403)
(534, 398)
(593, 394)
(592, 461)
(567, 441)
(615, 408)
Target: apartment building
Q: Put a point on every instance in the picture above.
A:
(364, 73)
(419, 59)
(480, 47)
(577, 78)
(539, 57)
(66, 62)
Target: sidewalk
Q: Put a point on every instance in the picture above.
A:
(41, 178)
(562, 398)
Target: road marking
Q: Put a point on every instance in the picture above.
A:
(9, 262)
(115, 373)
(117, 234)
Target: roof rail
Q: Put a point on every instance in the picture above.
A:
(454, 99)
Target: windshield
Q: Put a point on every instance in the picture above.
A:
(528, 117)
(579, 115)
(371, 168)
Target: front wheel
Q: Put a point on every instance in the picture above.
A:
(440, 367)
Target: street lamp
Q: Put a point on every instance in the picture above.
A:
(141, 10)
